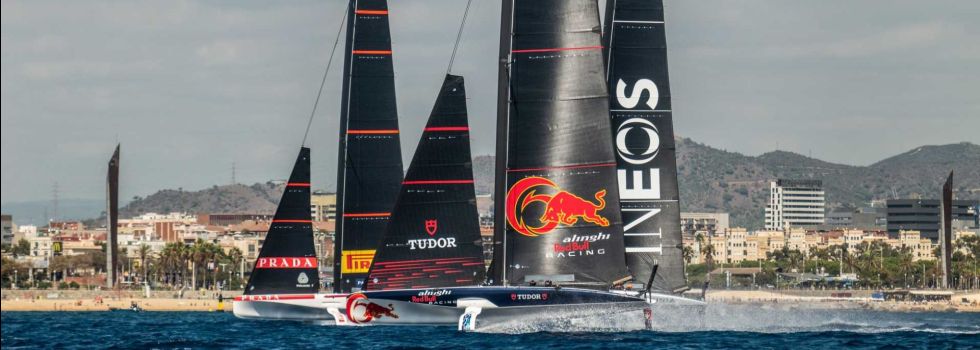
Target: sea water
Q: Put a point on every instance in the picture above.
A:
(750, 327)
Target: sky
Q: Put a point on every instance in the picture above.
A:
(190, 88)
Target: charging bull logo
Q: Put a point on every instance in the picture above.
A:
(362, 310)
(561, 207)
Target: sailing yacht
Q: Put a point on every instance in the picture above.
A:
(369, 176)
(558, 241)
(285, 278)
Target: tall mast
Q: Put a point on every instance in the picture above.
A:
(497, 273)
(369, 171)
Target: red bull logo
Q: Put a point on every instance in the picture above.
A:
(561, 207)
(362, 310)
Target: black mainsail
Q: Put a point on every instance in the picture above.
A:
(646, 164)
(433, 238)
(112, 219)
(556, 186)
(287, 262)
(369, 172)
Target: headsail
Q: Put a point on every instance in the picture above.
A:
(646, 164)
(112, 219)
(369, 173)
(287, 262)
(433, 238)
(558, 191)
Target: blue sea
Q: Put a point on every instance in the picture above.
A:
(749, 327)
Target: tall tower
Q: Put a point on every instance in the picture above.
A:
(112, 219)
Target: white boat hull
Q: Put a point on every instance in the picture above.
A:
(296, 307)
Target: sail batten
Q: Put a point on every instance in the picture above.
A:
(641, 112)
(369, 171)
(556, 181)
(433, 238)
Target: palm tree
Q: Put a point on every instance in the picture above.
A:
(709, 256)
(144, 253)
(688, 254)
(905, 263)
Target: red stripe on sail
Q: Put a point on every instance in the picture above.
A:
(371, 12)
(372, 131)
(371, 52)
(555, 49)
(365, 215)
(598, 165)
(437, 182)
(415, 261)
(297, 184)
(289, 221)
(448, 128)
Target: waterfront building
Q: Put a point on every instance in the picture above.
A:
(8, 229)
(795, 203)
(923, 215)
(230, 219)
(736, 245)
(706, 223)
(862, 218)
(921, 248)
(323, 206)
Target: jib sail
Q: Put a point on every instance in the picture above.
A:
(287, 262)
(433, 238)
(370, 167)
(642, 128)
(558, 198)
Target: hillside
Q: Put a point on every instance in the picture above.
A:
(710, 180)
(715, 180)
(259, 198)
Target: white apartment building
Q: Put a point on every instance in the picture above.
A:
(795, 203)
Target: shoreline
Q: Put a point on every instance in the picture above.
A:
(74, 301)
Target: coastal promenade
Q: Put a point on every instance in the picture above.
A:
(84, 300)
(859, 299)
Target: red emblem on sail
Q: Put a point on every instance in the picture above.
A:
(561, 207)
(431, 226)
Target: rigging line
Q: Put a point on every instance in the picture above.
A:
(459, 35)
(323, 81)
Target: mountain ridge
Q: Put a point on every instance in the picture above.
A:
(710, 180)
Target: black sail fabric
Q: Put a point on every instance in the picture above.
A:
(642, 128)
(433, 238)
(561, 200)
(112, 219)
(370, 165)
(287, 262)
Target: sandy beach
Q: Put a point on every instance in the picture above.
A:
(105, 305)
(83, 300)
